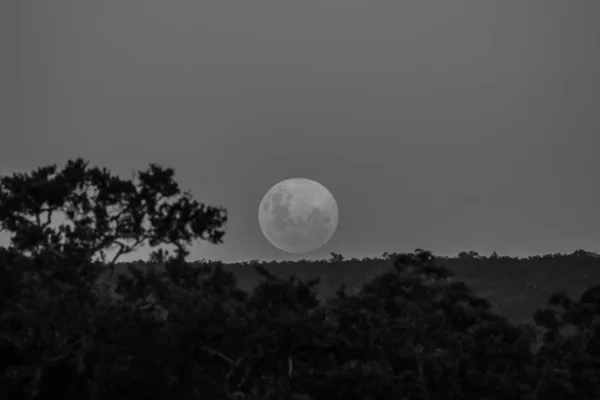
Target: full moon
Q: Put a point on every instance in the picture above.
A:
(298, 215)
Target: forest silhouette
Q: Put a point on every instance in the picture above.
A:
(403, 325)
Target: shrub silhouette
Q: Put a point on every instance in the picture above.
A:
(71, 328)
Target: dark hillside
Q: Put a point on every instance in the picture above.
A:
(516, 287)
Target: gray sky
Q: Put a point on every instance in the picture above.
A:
(446, 125)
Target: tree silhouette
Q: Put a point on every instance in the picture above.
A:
(47, 310)
(335, 257)
(468, 255)
(102, 212)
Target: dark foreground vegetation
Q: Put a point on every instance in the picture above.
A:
(72, 327)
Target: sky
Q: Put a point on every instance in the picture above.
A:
(443, 125)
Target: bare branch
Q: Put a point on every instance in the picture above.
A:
(218, 354)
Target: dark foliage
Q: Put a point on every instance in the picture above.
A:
(169, 329)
